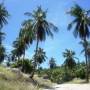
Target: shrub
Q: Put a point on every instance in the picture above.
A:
(80, 73)
(26, 65)
(59, 75)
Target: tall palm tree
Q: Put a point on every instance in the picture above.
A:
(52, 63)
(70, 56)
(82, 23)
(3, 19)
(40, 28)
(87, 43)
(2, 54)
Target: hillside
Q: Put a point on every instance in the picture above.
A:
(11, 79)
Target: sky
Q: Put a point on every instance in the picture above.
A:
(56, 14)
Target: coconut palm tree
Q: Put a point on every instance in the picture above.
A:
(26, 33)
(3, 19)
(69, 56)
(40, 28)
(87, 43)
(82, 23)
(2, 54)
(40, 56)
(19, 47)
(52, 63)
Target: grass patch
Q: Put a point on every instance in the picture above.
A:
(16, 85)
(7, 72)
(22, 83)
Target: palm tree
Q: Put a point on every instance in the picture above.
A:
(69, 56)
(52, 63)
(40, 56)
(40, 28)
(82, 23)
(26, 34)
(19, 47)
(2, 53)
(3, 19)
(87, 43)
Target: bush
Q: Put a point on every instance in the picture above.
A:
(59, 75)
(80, 73)
(26, 65)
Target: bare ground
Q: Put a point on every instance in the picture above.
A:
(70, 87)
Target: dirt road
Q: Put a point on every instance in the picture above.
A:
(71, 87)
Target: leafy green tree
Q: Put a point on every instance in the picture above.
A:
(26, 34)
(82, 23)
(52, 63)
(38, 26)
(40, 56)
(26, 63)
(3, 20)
(69, 59)
(19, 48)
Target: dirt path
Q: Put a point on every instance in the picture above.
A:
(71, 87)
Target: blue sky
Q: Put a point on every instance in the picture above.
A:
(56, 14)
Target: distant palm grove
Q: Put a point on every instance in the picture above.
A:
(35, 29)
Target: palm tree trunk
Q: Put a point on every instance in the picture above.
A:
(0, 38)
(35, 61)
(23, 61)
(88, 63)
(86, 58)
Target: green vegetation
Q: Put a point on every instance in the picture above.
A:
(11, 80)
(36, 29)
(62, 75)
(3, 21)
(69, 56)
(52, 63)
(82, 24)
(25, 65)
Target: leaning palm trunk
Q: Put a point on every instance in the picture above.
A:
(86, 58)
(35, 61)
(23, 61)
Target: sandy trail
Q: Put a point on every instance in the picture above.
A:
(71, 87)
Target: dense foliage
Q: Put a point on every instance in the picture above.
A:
(61, 74)
(25, 65)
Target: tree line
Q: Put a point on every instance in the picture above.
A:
(36, 29)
